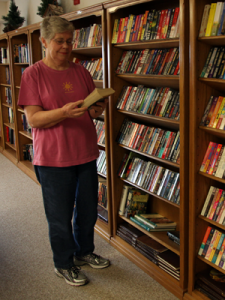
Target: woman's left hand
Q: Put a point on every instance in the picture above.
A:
(96, 110)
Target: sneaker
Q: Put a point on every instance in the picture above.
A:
(93, 260)
(72, 276)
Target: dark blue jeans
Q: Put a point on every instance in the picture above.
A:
(70, 196)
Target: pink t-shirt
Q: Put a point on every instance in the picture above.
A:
(72, 141)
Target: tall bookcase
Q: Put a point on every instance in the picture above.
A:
(81, 19)
(200, 91)
(4, 106)
(178, 213)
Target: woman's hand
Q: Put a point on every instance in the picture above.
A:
(96, 110)
(72, 109)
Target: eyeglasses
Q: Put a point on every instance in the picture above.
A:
(61, 42)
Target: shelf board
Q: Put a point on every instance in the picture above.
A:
(218, 84)
(160, 237)
(103, 175)
(7, 105)
(212, 177)
(217, 132)
(5, 84)
(10, 154)
(89, 51)
(21, 64)
(101, 145)
(11, 145)
(6, 64)
(212, 222)
(151, 44)
(164, 161)
(211, 264)
(10, 125)
(154, 119)
(151, 80)
(150, 193)
(17, 87)
(98, 83)
(213, 40)
(26, 134)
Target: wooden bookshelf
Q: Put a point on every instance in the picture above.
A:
(178, 213)
(200, 91)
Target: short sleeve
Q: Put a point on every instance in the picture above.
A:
(29, 91)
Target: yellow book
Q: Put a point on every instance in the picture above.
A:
(210, 19)
(114, 30)
(130, 22)
(219, 113)
(218, 236)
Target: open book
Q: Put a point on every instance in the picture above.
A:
(97, 95)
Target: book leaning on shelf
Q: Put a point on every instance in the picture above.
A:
(88, 37)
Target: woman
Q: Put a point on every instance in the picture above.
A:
(65, 149)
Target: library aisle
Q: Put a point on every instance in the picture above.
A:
(26, 258)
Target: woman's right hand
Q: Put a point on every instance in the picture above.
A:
(72, 109)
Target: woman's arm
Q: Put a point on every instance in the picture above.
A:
(39, 118)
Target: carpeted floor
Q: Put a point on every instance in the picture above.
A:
(26, 259)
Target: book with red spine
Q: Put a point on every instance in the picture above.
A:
(166, 25)
(206, 156)
(123, 33)
(159, 31)
(175, 17)
(215, 158)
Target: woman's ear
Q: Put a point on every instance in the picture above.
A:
(44, 42)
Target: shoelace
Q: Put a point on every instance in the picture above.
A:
(75, 271)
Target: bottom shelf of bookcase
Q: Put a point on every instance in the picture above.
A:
(102, 229)
(148, 267)
(10, 154)
(196, 295)
(27, 167)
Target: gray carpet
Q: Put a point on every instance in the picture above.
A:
(26, 267)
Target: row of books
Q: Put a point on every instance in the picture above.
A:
(153, 222)
(151, 177)
(214, 66)
(213, 247)
(213, 21)
(100, 130)
(21, 53)
(10, 135)
(94, 66)
(150, 61)
(28, 153)
(160, 102)
(7, 75)
(214, 114)
(88, 37)
(154, 141)
(153, 24)
(4, 57)
(8, 95)
(211, 283)
(214, 205)
(25, 124)
(10, 115)
(101, 162)
(151, 249)
(214, 160)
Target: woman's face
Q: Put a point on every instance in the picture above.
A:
(60, 47)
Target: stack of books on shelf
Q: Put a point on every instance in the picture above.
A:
(10, 115)
(21, 53)
(102, 199)
(100, 130)
(213, 247)
(151, 25)
(170, 263)
(151, 177)
(150, 61)
(214, 160)
(101, 162)
(214, 205)
(153, 222)
(88, 37)
(214, 115)
(211, 283)
(164, 144)
(159, 102)
(94, 66)
(129, 233)
(26, 125)
(214, 66)
(8, 96)
(28, 152)
(4, 57)
(213, 21)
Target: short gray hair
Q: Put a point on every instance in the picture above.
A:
(50, 26)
